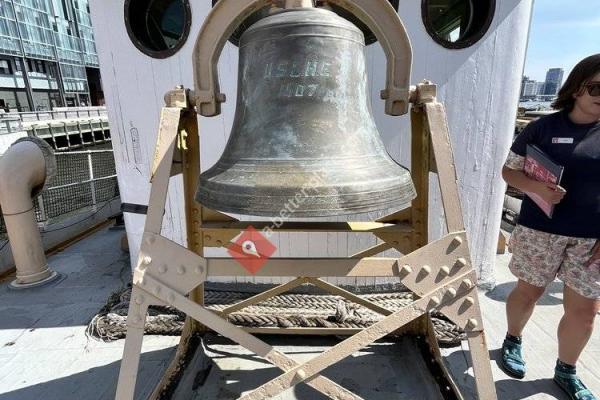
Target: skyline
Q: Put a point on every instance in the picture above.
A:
(562, 33)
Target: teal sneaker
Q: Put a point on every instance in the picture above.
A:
(572, 386)
(512, 359)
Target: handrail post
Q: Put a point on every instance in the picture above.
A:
(92, 181)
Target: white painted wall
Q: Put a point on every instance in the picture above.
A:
(479, 85)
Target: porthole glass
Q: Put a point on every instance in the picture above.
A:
(159, 28)
(457, 24)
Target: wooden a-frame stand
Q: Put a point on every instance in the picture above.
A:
(440, 273)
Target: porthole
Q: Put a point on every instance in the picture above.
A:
(457, 24)
(158, 28)
(257, 15)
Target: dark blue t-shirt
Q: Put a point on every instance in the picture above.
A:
(577, 148)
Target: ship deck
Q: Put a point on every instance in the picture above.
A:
(45, 353)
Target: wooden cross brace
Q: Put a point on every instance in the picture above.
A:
(439, 273)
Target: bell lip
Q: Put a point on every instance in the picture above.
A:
(391, 207)
(391, 204)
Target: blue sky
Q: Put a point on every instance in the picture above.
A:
(562, 33)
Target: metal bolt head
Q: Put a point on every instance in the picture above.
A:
(444, 270)
(181, 270)
(219, 243)
(451, 293)
(406, 269)
(435, 301)
(469, 301)
(457, 241)
(301, 374)
(426, 269)
(472, 323)
(461, 262)
(199, 269)
(139, 300)
(207, 238)
(467, 283)
(147, 260)
(163, 269)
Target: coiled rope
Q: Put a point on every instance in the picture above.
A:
(296, 310)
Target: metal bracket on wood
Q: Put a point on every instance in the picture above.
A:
(439, 273)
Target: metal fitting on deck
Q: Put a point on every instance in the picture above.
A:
(25, 168)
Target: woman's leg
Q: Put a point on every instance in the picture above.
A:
(576, 325)
(520, 305)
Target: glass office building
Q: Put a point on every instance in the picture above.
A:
(47, 55)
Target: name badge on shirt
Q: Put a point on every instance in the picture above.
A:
(562, 140)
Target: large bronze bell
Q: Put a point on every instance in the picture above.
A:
(304, 139)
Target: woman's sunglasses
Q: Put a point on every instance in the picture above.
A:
(593, 88)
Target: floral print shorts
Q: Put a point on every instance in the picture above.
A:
(539, 257)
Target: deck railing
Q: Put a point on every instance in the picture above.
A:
(84, 179)
(12, 122)
(58, 113)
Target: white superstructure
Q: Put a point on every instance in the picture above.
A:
(479, 84)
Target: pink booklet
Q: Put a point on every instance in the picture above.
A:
(540, 167)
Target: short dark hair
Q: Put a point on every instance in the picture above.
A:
(581, 74)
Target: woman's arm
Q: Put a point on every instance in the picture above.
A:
(548, 191)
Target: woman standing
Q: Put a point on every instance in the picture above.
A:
(567, 244)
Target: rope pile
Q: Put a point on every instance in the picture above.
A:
(282, 311)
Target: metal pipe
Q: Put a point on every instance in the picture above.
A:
(24, 170)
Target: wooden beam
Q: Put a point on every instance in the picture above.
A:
(372, 251)
(349, 296)
(264, 295)
(303, 331)
(308, 267)
(480, 359)
(443, 252)
(437, 125)
(420, 176)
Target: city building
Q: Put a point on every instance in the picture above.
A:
(530, 88)
(47, 55)
(539, 88)
(554, 80)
